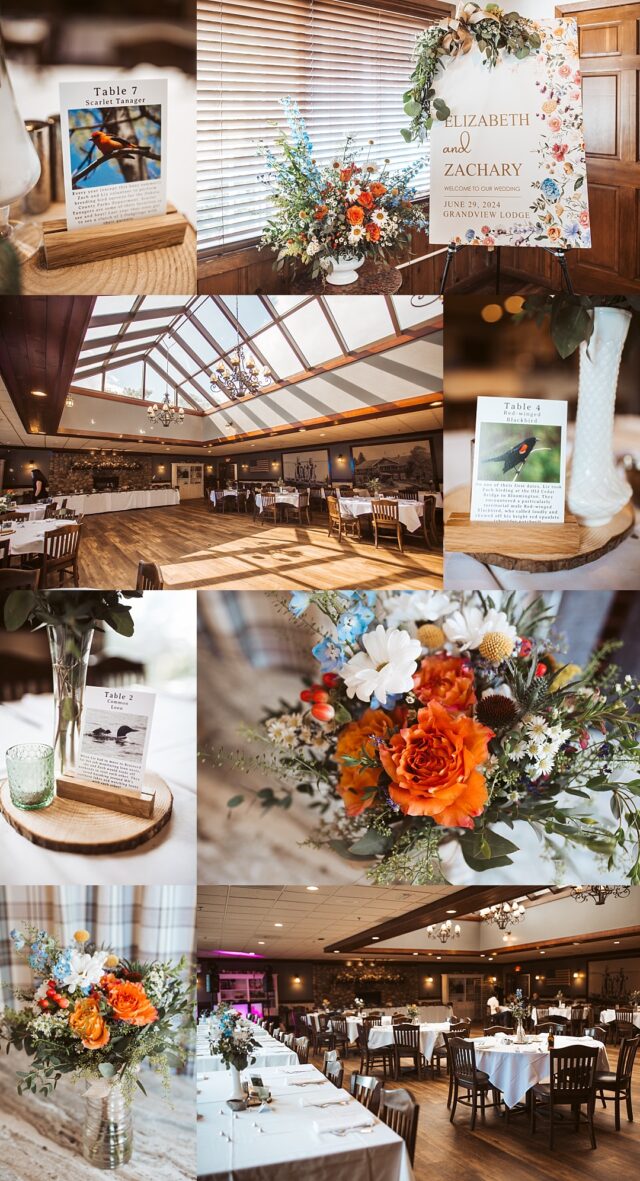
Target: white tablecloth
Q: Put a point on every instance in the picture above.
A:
(119, 502)
(31, 512)
(283, 1145)
(554, 1011)
(409, 511)
(170, 856)
(271, 1052)
(28, 536)
(430, 1037)
(281, 498)
(217, 494)
(515, 1069)
(608, 1015)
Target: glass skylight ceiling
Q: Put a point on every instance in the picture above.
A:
(140, 346)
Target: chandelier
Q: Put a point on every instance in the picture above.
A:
(167, 413)
(239, 376)
(599, 894)
(68, 401)
(444, 932)
(505, 915)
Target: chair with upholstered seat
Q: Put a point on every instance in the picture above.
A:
(572, 1083)
(386, 520)
(467, 1077)
(407, 1045)
(373, 1057)
(149, 577)
(400, 1112)
(366, 1090)
(620, 1082)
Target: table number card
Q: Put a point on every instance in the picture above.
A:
(519, 461)
(114, 150)
(115, 736)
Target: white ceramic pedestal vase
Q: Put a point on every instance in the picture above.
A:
(597, 490)
(237, 1098)
(344, 270)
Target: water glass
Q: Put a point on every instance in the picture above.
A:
(31, 775)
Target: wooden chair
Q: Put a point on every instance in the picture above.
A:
(229, 502)
(322, 1036)
(599, 1033)
(475, 1082)
(347, 526)
(429, 527)
(50, 512)
(579, 1019)
(268, 507)
(400, 1112)
(18, 579)
(366, 1090)
(444, 1052)
(386, 520)
(407, 1045)
(20, 675)
(115, 671)
(340, 1035)
(4, 552)
(542, 1014)
(372, 1058)
(572, 1084)
(492, 1030)
(620, 1082)
(149, 577)
(60, 555)
(289, 1041)
(335, 1072)
(547, 1027)
(624, 1025)
(300, 511)
(409, 494)
(301, 1047)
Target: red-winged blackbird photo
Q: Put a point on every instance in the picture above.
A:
(516, 456)
(508, 455)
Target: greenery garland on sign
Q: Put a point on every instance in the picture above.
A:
(491, 29)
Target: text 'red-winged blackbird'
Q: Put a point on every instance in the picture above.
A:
(516, 457)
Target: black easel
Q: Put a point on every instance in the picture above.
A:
(559, 254)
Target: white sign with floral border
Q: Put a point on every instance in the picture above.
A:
(508, 165)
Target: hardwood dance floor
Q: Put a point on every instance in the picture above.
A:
(226, 551)
(497, 1151)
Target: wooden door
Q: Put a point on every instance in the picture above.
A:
(610, 61)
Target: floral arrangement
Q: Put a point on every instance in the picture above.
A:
(93, 1014)
(374, 486)
(235, 1040)
(412, 1010)
(353, 207)
(358, 1003)
(435, 717)
(520, 1010)
(634, 997)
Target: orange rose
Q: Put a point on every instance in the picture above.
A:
(88, 1023)
(355, 215)
(321, 212)
(366, 200)
(433, 767)
(376, 189)
(129, 1001)
(554, 233)
(347, 173)
(357, 784)
(373, 232)
(447, 679)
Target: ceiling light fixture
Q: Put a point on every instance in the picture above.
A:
(38, 394)
(444, 932)
(240, 375)
(166, 414)
(68, 402)
(599, 894)
(505, 915)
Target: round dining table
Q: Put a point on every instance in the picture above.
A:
(515, 1069)
(28, 536)
(430, 1037)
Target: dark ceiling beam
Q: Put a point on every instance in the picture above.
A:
(40, 341)
(465, 901)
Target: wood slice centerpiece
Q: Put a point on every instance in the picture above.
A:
(532, 548)
(75, 826)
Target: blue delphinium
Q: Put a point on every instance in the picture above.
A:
(62, 967)
(18, 939)
(329, 654)
(353, 623)
(299, 602)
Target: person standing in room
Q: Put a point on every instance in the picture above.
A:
(40, 485)
(493, 1005)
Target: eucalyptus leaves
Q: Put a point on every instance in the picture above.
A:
(489, 29)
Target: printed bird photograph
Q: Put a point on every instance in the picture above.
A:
(115, 145)
(513, 452)
(114, 736)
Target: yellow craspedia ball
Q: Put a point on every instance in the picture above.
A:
(111, 961)
(496, 647)
(81, 936)
(569, 673)
(431, 636)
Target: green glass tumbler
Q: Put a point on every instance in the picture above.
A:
(31, 776)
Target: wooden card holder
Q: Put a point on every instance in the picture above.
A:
(100, 795)
(464, 536)
(63, 247)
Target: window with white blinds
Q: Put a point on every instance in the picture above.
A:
(346, 65)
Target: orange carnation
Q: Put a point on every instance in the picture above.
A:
(373, 232)
(357, 784)
(366, 200)
(376, 189)
(432, 765)
(88, 1023)
(447, 679)
(129, 1001)
(355, 215)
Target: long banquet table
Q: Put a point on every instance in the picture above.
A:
(296, 1137)
(514, 1069)
(271, 1053)
(119, 502)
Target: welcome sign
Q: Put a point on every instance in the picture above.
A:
(508, 164)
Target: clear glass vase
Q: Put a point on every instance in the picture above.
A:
(69, 660)
(107, 1137)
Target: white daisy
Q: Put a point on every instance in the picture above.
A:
(356, 235)
(518, 751)
(416, 607)
(385, 668)
(380, 217)
(353, 191)
(467, 627)
(84, 970)
(536, 726)
(544, 762)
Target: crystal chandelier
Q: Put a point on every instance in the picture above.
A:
(167, 413)
(599, 894)
(239, 376)
(505, 915)
(444, 932)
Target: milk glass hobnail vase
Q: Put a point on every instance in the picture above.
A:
(22, 170)
(70, 661)
(237, 1097)
(344, 270)
(597, 490)
(107, 1137)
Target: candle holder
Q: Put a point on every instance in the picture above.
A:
(31, 776)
